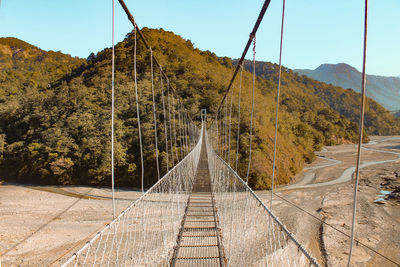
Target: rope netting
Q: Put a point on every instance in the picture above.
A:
(169, 145)
(145, 233)
(251, 234)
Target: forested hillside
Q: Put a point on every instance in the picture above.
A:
(378, 121)
(56, 129)
(24, 66)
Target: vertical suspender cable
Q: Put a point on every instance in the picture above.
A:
(246, 48)
(225, 130)
(219, 125)
(222, 130)
(165, 120)
(154, 113)
(238, 128)
(170, 126)
(221, 120)
(174, 125)
(252, 108)
(178, 109)
(185, 122)
(217, 136)
(230, 126)
(138, 111)
(182, 123)
(112, 114)
(189, 126)
(362, 108)
(185, 130)
(146, 44)
(277, 103)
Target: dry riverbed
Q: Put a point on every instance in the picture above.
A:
(378, 217)
(41, 225)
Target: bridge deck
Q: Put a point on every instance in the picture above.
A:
(199, 240)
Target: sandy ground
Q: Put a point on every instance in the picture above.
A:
(377, 224)
(41, 225)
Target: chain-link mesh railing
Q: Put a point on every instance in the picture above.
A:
(145, 233)
(251, 234)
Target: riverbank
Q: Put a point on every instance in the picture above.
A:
(329, 198)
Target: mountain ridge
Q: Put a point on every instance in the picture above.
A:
(56, 129)
(378, 120)
(384, 89)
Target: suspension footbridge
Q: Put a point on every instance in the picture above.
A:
(200, 211)
(199, 239)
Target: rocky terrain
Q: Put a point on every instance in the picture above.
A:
(378, 215)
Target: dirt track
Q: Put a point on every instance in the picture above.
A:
(41, 224)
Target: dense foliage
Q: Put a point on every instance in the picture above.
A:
(378, 120)
(55, 112)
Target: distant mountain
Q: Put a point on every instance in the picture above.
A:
(378, 121)
(385, 90)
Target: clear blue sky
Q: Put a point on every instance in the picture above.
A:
(316, 31)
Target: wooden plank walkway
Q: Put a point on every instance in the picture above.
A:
(199, 240)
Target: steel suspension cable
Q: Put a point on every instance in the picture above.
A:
(183, 145)
(132, 20)
(217, 136)
(221, 121)
(277, 104)
(185, 131)
(222, 125)
(226, 131)
(154, 113)
(170, 126)
(178, 109)
(174, 127)
(112, 109)
(250, 40)
(362, 109)
(165, 120)
(185, 148)
(252, 109)
(238, 128)
(188, 131)
(230, 126)
(138, 110)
